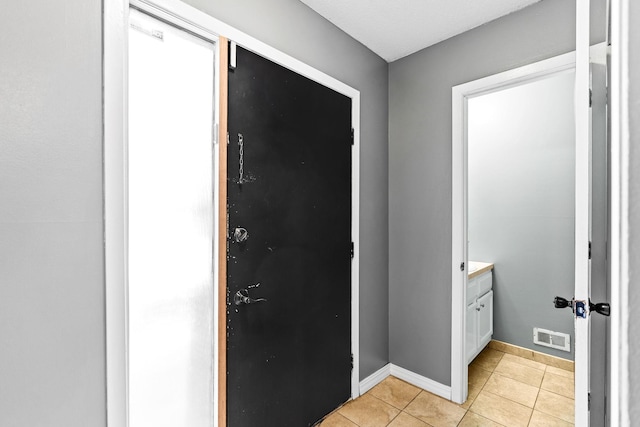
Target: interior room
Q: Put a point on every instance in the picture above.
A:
(66, 323)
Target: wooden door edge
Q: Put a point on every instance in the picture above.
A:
(222, 232)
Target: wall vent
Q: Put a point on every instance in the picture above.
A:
(547, 338)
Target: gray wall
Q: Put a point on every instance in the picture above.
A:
(634, 209)
(293, 28)
(521, 198)
(52, 357)
(420, 167)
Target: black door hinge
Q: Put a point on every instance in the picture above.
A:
(352, 361)
(353, 251)
(589, 250)
(590, 97)
(589, 401)
(352, 137)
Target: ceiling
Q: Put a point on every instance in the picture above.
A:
(397, 28)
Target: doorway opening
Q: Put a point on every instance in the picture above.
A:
(501, 229)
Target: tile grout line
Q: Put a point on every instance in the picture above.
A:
(487, 391)
(537, 395)
(411, 401)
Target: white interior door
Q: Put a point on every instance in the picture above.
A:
(170, 226)
(582, 215)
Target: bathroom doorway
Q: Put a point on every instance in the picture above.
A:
(514, 204)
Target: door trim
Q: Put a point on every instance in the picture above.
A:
(460, 95)
(221, 263)
(619, 215)
(115, 25)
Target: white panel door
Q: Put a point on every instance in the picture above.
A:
(471, 331)
(582, 215)
(485, 318)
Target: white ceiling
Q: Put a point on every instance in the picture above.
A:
(397, 28)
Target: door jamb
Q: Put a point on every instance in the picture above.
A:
(115, 19)
(619, 215)
(460, 96)
(220, 351)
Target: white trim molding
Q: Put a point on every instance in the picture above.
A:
(115, 124)
(406, 375)
(619, 216)
(374, 379)
(423, 382)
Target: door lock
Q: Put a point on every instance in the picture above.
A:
(579, 307)
(240, 235)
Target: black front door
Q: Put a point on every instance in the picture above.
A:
(289, 262)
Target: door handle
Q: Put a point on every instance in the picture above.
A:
(560, 302)
(603, 308)
(242, 297)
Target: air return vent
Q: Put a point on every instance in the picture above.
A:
(548, 338)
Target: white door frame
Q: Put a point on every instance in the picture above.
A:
(619, 212)
(115, 66)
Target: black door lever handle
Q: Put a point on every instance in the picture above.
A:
(560, 302)
(603, 308)
(242, 297)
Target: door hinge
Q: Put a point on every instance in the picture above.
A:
(590, 97)
(353, 251)
(589, 250)
(589, 401)
(352, 137)
(352, 361)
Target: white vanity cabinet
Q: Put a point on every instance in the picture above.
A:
(479, 323)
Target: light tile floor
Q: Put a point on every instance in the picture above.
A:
(504, 390)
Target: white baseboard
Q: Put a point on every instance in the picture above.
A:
(372, 380)
(420, 381)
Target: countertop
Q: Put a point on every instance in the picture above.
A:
(480, 267)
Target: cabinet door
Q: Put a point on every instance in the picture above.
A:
(485, 318)
(471, 343)
(472, 290)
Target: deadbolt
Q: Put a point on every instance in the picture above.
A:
(240, 235)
